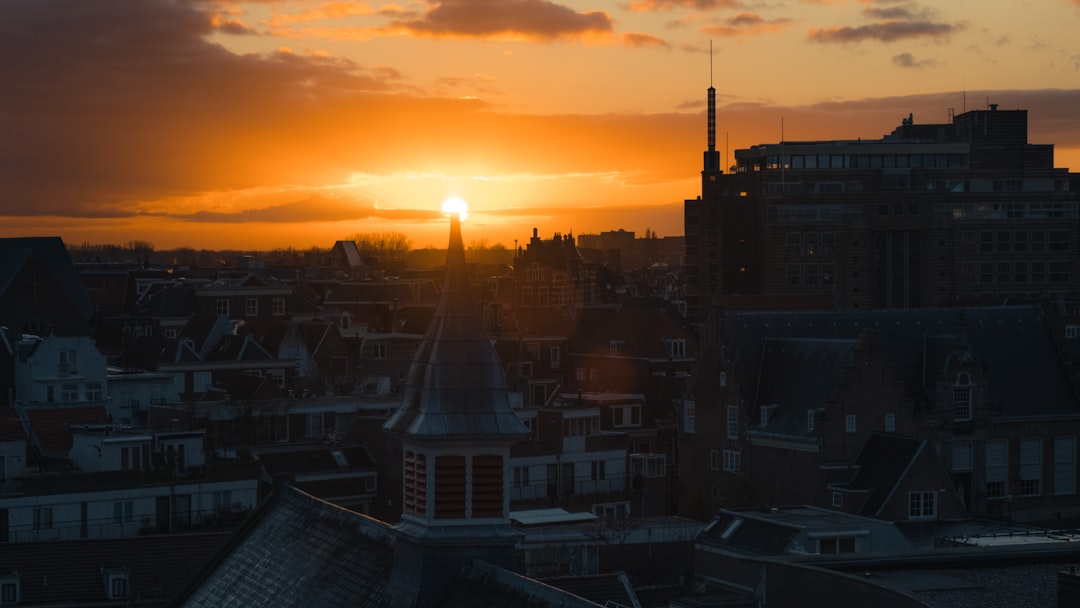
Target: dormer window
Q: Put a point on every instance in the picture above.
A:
(116, 583)
(10, 593)
(961, 401)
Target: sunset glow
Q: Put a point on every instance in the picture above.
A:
(259, 125)
(454, 205)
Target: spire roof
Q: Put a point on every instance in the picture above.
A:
(456, 387)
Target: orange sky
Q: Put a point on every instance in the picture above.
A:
(266, 124)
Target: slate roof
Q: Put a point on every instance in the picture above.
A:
(51, 254)
(799, 375)
(881, 466)
(302, 551)
(456, 387)
(752, 535)
(641, 323)
(69, 573)
(1014, 344)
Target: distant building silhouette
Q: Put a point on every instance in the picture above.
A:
(929, 215)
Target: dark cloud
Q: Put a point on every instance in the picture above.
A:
(643, 6)
(530, 19)
(885, 31)
(745, 24)
(903, 13)
(638, 39)
(109, 102)
(315, 208)
(907, 60)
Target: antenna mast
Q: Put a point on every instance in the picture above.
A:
(712, 157)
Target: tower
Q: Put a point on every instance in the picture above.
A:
(456, 427)
(712, 157)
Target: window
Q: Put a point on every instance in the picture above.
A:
(277, 306)
(93, 391)
(962, 457)
(66, 362)
(378, 351)
(766, 413)
(50, 393)
(581, 374)
(676, 347)
(836, 545)
(599, 470)
(838, 499)
(1030, 467)
(43, 518)
(732, 422)
(997, 468)
(9, 589)
(1064, 465)
(450, 487)
(526, 369)
(922, 505)
(221, 306)
(626, 415)
(554, 357)
(732, 461)
(415, 481)
(170, 334)
(521, 477)
(849, 423)
(688, 417)
(201, 382)
(315, 425)
(723, 378)
(615, 347)
(1072, 332)
(890, 423)
(811, 415)
(69, 393)
(487, 486)
(123, 512)
(117, 587)
(714, 460)
(251, 307)
(962, 397)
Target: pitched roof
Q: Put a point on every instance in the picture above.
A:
(881, 466)
(300, 550)
(69, 573)
(798, 375)
(456, 386)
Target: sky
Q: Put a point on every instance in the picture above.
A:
(269, 124)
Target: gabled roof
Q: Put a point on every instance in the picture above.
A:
(49, 253)
(880, 467)
(456, 386)
(350, 252)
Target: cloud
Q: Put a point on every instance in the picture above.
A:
(315, 208)
(747, 24)
(505, 20)
(907, 60)
(325, 11)
(884, 31)
(637, 39)
(643, 6)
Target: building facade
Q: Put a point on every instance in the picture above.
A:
(929, 215)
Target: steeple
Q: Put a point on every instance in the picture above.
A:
(455, 422)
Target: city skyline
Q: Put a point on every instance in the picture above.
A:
(257, 125)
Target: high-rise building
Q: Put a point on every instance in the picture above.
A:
(965, 212)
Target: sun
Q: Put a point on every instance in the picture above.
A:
(456, 205)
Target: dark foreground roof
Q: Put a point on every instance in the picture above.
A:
(302, 551)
